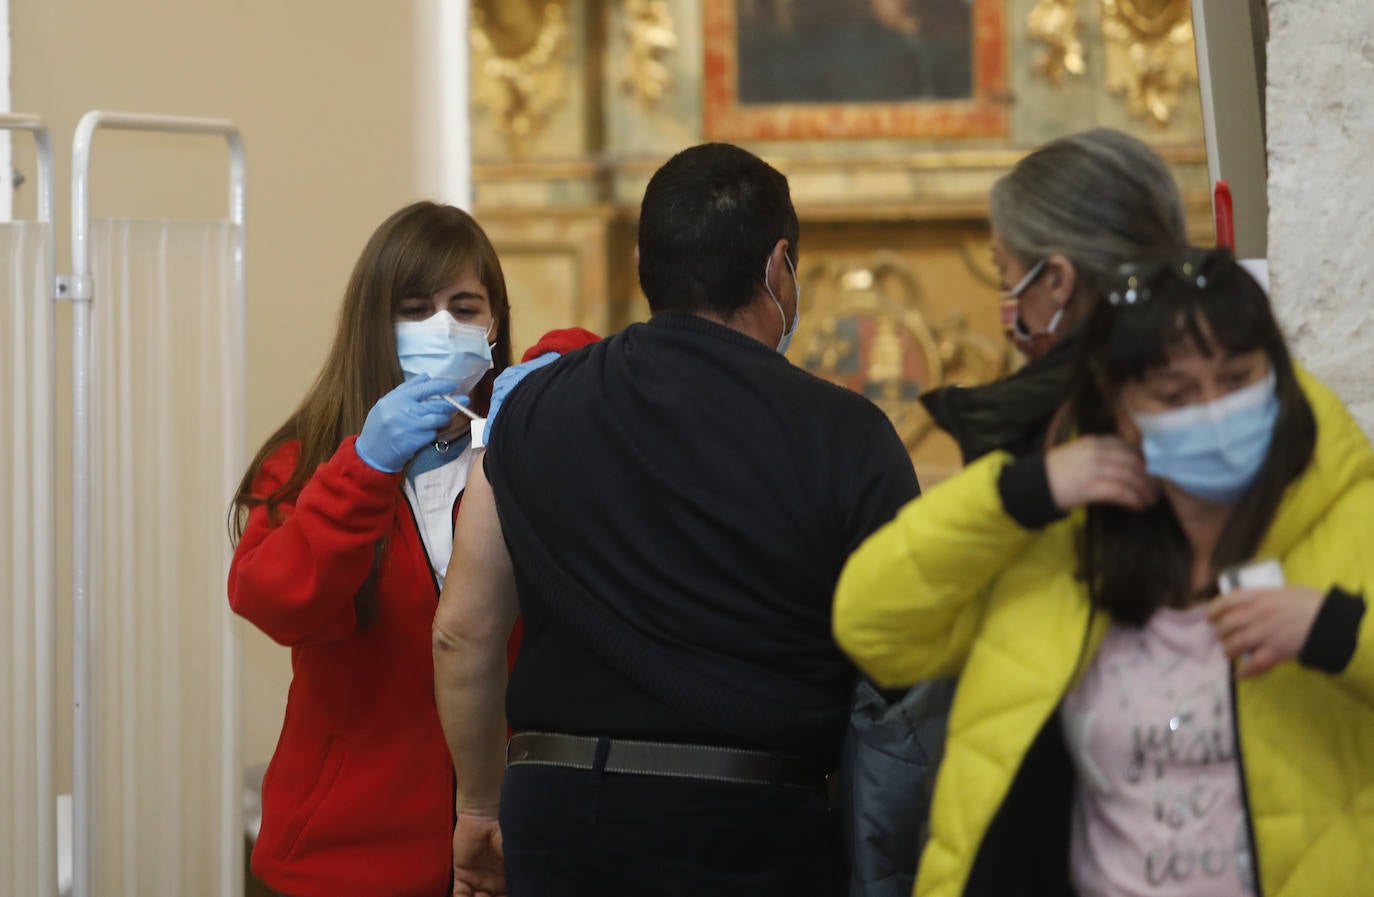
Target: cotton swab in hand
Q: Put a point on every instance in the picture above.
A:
(479, 424)
(472, 415)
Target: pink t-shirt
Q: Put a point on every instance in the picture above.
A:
(1158, 809)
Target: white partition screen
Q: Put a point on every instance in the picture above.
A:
(27, 591)
(166, 396)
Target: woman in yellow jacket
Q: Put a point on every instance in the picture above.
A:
(1119, 727)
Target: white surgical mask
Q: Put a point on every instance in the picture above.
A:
(787, 334)
(1011, 300)
(444, 349)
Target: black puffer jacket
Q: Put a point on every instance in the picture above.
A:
(895, 741)
(1012, 414)
(887, 777)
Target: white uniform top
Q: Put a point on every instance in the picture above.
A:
(432, 495)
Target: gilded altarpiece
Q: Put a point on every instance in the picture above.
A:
(577, 103)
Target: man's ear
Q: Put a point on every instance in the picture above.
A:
(777, 267)
(1060, 279)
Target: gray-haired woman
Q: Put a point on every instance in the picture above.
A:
(1063, 220)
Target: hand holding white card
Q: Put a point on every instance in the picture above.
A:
(1266, 574)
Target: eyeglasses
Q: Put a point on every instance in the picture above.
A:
(1136, 282)
(1024, 283)
(1011, 312)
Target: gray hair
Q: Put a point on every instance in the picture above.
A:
(1100, 198)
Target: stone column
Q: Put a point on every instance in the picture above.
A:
(1321, 189)
(442, 117)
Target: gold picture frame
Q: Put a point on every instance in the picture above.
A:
(758, 84)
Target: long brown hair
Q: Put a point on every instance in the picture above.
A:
(1135, 562)
(417, 251)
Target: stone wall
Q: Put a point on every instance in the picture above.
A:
(1321, 188)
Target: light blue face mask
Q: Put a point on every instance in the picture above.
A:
(444, 349)
(1214, 450)
(786, 342)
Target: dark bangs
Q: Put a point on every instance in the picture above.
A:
(1231, 314)
(436, 258)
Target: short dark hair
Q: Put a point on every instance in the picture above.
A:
(1136, 562)
(709, 219)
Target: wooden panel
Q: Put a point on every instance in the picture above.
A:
(556, 267)
(542, 282)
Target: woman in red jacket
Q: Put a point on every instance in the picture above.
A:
(344, 526)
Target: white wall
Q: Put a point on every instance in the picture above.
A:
(6, 181)
(326, 94)
(1321, 188)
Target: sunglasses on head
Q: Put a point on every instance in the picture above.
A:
(1136, 282)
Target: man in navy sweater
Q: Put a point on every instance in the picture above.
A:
(669, 510)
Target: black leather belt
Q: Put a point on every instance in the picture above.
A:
(653, 758)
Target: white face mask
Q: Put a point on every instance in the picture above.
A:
(1012, 298)
(786, 341)
(444, 349)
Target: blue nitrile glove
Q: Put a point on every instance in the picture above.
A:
(404, 421)
(510, 378)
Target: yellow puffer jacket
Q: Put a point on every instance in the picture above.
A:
(953, 586)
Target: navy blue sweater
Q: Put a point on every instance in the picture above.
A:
(678, 501)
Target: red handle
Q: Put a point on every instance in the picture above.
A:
(1225, 216)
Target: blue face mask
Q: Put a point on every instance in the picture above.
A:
(786, 341)
(1214, 450)
(444, 349)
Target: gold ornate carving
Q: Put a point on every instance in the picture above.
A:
(1055, 24)
(518, 61)
(867, 329)
(652, 35)
(969, 357)
(1150, 55)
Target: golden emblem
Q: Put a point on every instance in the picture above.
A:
(518, 56)
(864, 326)
(1054, 23)
(1150, 54)
(651, 34)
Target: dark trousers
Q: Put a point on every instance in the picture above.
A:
(570, 832)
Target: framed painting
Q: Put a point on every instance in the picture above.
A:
(821, 69)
